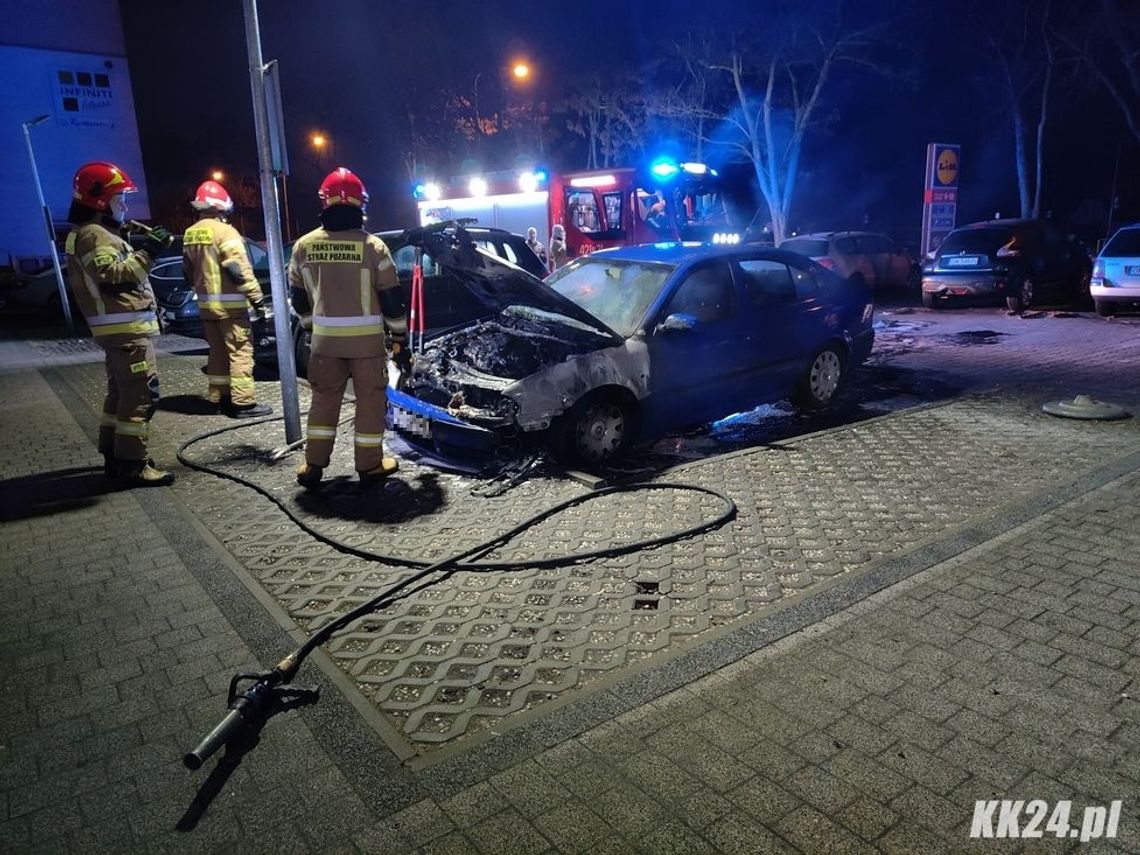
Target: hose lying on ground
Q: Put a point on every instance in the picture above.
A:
(250, 707)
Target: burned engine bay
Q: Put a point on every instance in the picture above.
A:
(467, 370)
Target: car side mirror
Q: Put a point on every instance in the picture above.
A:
(677, 322)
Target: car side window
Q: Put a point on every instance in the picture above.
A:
(805, 282)
(706, 294)
(876, 245)
(767, 282)
(508, 252)
(846, 246)
(404, 259)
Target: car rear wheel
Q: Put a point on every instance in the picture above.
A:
(820, 380)
(928, 300)
(1105, 309)
(1021, 299)
(596, 429)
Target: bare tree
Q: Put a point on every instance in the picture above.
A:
(775, 86)
(1020, 46)
(1110, 47)
(610, 116)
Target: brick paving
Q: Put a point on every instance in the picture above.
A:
(1006, 668)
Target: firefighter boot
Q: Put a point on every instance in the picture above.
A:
(309, 476)
(142, 473)
(372, 477)
(248, 411)
(110, 466)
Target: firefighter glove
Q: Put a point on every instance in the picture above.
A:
(402, 357)
(156, 241)
(262, 310)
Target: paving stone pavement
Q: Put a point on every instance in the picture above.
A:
(1009, 671)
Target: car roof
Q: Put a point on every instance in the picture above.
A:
(677, 252)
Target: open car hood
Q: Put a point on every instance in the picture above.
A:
(494, 282)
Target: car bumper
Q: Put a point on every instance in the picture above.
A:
(971, 287)
(427, 426)
(1116, 293)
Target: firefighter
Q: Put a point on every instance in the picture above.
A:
(109, 282)
(558, 252)
(536, 247)
(344, 287)
(216, 264)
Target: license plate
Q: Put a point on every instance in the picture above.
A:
(961, 261)
(412, 423)
(1132, 270)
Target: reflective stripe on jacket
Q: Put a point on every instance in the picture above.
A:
(217, 266)
(110, 285)
(352, 287)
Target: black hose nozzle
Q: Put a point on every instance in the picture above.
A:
(245, 710)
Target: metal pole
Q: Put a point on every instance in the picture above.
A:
(286, 367)
(289, 230)
(63, 301)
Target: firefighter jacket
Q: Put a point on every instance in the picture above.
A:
(347, 280)
(110, 284)
(216, 264)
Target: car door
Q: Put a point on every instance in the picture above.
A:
(783, 306)
(697, 365)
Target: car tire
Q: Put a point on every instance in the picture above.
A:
(596, 430)
(1023, 298)
(302, 349)
(1105, 309)
(928, 300)
(820, 380)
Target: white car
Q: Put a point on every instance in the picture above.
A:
(1116, 273)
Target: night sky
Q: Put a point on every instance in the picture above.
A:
(348, 65)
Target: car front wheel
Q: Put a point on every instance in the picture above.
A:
(928, 300)
(1021, 299)
(1105, 309)
(301, 351)
(596, 430)
(820, 381)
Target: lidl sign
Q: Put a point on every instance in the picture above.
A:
(940, 194)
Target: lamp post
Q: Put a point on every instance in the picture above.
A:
(28, 125)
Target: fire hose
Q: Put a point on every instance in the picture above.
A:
(247, 709)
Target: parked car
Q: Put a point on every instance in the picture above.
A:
(876, 258)
(36, 291)
(1019, 261)
(626, 344)
(447, 302)
(178, 303)
(1116, 272)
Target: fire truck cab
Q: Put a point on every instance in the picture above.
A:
(598, 208)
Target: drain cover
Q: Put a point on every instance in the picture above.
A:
(1084, 407)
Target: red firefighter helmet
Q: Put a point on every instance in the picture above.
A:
(96, 182)
(212, 196)
(342, 187)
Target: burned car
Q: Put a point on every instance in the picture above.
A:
(626, 344)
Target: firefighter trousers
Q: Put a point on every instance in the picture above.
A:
(132, 396)
(229, 367)
(328, 377)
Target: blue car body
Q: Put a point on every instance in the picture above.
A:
(678, 334)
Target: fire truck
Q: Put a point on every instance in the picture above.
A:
(599, 208)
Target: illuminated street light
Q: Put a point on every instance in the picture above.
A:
(217, 175)
(318, 140)
(520, 71)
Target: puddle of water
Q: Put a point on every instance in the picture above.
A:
(971, 337)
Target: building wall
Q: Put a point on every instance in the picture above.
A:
(65, 60)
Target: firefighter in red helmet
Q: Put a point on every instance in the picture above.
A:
(109, 282)
(343, 285)
(216, 264)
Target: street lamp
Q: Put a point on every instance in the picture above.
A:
(520, 71)
(28, 125)
(217, 175)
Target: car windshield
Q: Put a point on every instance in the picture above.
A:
(1124, 242)
(975, 240)
(615, 291)
(810, 248)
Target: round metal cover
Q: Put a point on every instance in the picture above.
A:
(1084, 407)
